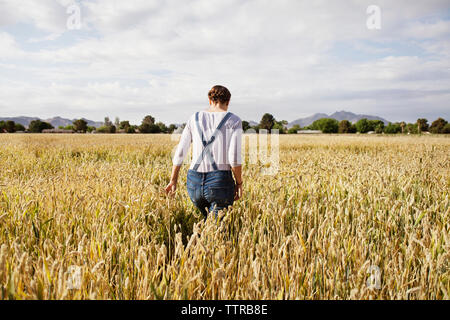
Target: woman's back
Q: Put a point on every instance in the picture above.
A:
(226, 147)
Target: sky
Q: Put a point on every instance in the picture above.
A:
(292, 59)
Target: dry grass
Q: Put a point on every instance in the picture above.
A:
(339, 205)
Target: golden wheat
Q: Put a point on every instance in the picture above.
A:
(341, 212)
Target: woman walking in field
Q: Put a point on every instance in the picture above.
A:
(216, 138)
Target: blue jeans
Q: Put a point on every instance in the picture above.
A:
(213, 190)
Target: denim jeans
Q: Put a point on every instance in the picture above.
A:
(213, 190)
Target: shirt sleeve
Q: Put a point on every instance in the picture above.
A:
(234, 151)
(183, 146)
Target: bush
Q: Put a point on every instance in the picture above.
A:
(106, 129)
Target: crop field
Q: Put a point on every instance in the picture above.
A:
(345, 217)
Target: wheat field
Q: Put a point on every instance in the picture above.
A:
(346, 217)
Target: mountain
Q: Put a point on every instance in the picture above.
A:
(55, 121)
(344, 115)
(25, 121)
(338, 115)
(303, 122)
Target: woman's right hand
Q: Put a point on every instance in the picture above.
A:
(171, 188)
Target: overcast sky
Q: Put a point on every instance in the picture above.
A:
(289, 58)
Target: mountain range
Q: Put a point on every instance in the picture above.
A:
(55, 121)
(338, 115)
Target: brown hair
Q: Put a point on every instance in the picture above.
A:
(219, 94)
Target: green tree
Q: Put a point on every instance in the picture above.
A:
(446, 128)
(402, 126)
(107, 129)
(19, 127)
(172, 127)
(10, 126)
(124, 125)
(392, 128)
(363, 125)
(411, 128)
(376, 125)
(326, 125)
(2, 126)
(280, 126)
(149, 128)
(294, 129)
(245, 125)
(422, 125)
(344, 126)
(148, 120)
(107, 122)
(37, 126)
(80, 125)
(148, 125)
(162, 127)
(438, 126)
(267, 122)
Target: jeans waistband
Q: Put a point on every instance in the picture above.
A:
(210, 173)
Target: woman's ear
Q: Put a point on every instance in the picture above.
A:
(210, 102)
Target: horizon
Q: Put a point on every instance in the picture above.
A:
(292, 59)
(156, 120)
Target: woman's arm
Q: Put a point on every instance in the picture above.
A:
(172, 186)
(235, 159)
(237, 172)
(180, 154)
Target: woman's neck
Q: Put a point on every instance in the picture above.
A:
(218, 108)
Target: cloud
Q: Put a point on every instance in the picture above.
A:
(46, 15)
(133, 58)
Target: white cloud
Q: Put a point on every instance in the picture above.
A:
(47, 15)
(161, 57)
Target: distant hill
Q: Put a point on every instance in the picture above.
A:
(55, 121)
(338, 115)
(303, 122)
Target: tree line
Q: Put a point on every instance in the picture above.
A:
(329, 125)
(148, 125)
(268, 122)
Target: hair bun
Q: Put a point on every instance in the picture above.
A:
(219, 94)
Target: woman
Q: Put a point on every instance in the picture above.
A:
(216, 138)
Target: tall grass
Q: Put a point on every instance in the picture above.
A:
(339, 207)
